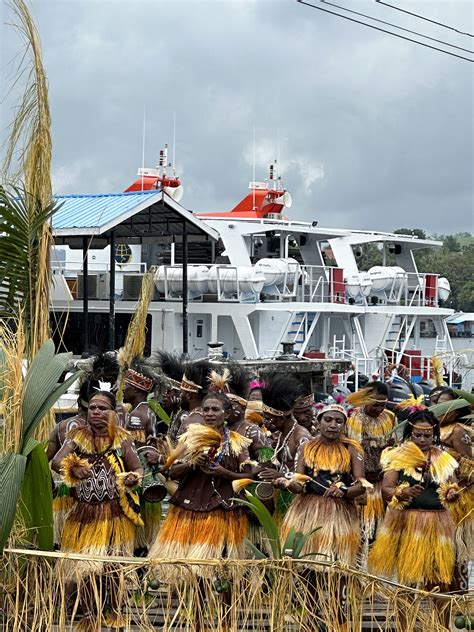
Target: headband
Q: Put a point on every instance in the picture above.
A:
(138, 380)
(237, 398)
(332, 408)
(188, 386)
(304, 402)
(275, 412)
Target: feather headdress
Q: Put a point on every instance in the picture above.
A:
(437, 370)
(199, 439)
(219, 382)
(362, 397)
(412, 403)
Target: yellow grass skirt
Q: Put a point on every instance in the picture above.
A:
(338, 536)
(201, 535)
(62, 505)
(96, 529)
(373, 512)
(417, 546)
(463, 516)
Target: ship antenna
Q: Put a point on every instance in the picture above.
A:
(143, 141)
(254, 205)
(174, 144)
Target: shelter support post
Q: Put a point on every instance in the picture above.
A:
(185, 288)
(112, 293)
(85, 291)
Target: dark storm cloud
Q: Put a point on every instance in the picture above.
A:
(374, 132)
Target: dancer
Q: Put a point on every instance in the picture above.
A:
(62, 499)
(371, 424)
(456, 438)
(304, 412)
(173, 368)
(204, 520)
(194, 386)
(416, 539)
(324, 505)
(142, 425)
(100, 461)
(333, 467)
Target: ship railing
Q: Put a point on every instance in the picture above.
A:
(415, 367)
(74, 268)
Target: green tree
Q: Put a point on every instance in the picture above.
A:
(419, 232)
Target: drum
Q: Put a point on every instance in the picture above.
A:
(264, 490)
(153, 487)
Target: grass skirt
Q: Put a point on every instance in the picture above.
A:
(96, 529)
(200, 535)
(338, 536)
(151, 516)
(463, 516)
(62, 505)
(417, 546)
(373, 513)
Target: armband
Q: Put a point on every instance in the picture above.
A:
(396, 503)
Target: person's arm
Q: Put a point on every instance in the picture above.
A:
(132, 463)
(53, 443)
(357, 463)
(67, 449)
(462, 442)
(402, 493)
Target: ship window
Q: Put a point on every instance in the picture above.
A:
(199, 328)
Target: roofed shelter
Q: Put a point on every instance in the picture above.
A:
(96, 221)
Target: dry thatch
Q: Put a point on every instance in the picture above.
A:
(136, 333)
(265, 595)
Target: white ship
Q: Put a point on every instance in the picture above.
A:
(257, 278)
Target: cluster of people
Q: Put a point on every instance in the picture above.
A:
(395, 498)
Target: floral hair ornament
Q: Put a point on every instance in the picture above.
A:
(104, 387)
(412, 403)
(256, 384)
(219, 382)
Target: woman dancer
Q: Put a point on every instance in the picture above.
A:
(99, 460)
(416, 539)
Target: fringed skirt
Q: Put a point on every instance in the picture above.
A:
(201, 535)
(373, 512)
(96, 529)
(338, 534)
(62, 505)
(462, 512)
(415, 545)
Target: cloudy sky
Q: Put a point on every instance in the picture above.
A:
(374, 132)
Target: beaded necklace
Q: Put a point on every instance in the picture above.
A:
(284, 444)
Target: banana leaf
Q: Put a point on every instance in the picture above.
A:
(469, 397)
(46, 404)
(12, 469)
(266, 520)
(440, 410)
(37, 500)
(257, 553)
(42, 377)
(20, 227)
(300, 541)
(158, 409)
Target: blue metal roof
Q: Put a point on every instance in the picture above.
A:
(87, 211)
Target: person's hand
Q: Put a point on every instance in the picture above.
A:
(407, 493)
(153, 457)
(131, 480)
(81, 472)
(334, 491)
(267, 474)
(452, 494)
(202, 460)
(216, 470)
(281, 482)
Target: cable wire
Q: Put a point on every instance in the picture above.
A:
(376, 28)
(401, 28)
(422, 17)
